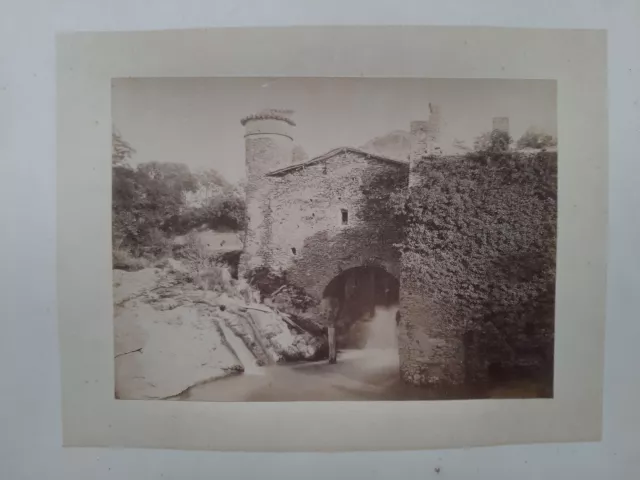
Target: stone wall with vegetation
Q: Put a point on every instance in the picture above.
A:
(478, 268)
(308, 238)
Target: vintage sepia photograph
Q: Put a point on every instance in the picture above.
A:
(333, 239)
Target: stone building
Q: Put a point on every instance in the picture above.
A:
(310, 219)
(326, 224)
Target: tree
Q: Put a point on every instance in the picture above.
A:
(174, 177)
(496, 141)
(534, 138)
(226, 210)
(209, 184)
(121, 151)
(145, 198)
(150, 202)
(211, 181)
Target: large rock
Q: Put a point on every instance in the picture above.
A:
(281, 341)
(171, 335)
(160, 354)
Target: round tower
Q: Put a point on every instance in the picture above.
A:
(268, 147)
(268, 141)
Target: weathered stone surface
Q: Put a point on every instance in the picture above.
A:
(308, 237)
(160, 354)
(281, 342)
(171, 335)
(268, 146)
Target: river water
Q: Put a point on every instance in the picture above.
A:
(359, 374)
(371, 373)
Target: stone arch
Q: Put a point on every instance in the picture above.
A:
(350, 301)
(383, 286)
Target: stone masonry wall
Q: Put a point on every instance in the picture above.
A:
(306, 218)
(264, 152)
(473, 246)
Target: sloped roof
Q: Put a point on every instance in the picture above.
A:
(332, 153)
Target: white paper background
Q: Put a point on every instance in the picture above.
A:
(29, 383)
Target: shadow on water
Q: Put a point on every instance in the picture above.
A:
(371, 374)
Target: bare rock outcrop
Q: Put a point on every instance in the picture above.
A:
(172, 334)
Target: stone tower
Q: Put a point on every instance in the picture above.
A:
(501, 124)
(424, 138)
(268, 146)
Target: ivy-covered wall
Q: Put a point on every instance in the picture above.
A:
(478, 268)
(471, 239)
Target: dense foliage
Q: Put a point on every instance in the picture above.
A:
(492, 142)
(479, 237)
(150, 202)
(477, 232)
(121, 151)
(534, 138)
(385, 194)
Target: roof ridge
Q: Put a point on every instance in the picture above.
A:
(331, 153)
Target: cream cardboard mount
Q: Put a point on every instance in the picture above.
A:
(87, 63)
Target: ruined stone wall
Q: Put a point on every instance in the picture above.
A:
(308, 238)
(478, 268)
(501, 124)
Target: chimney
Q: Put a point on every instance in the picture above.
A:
(501, 124)
(433, 127)
(425, 136)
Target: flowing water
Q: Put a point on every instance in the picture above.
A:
(382, 329)
(368, 373)
(371, 373)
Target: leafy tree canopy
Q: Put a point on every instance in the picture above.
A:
(495, 141)
(534, 138)
(149, 201)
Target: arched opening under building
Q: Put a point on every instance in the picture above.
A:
(361, 306)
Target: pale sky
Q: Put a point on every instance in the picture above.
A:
(196, 121)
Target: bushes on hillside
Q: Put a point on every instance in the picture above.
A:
(537, 139)
(225, 210)
(149, 203)
(144, 199)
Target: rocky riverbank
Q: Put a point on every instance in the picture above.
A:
(175, 329)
